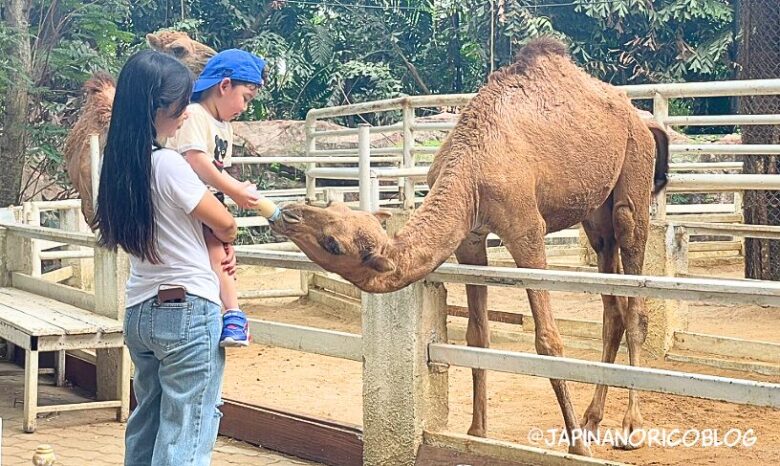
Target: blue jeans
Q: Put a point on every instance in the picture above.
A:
(178, 380)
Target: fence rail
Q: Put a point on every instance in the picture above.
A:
(746, 392)
(659, 93)
(721, 291)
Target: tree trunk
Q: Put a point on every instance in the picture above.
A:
(13, 144)
(457, 59)
(411, 68)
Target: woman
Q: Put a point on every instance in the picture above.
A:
(152, 205)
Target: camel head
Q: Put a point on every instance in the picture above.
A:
(190, 52)
(348, 242)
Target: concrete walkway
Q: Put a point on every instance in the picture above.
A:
(91, 438)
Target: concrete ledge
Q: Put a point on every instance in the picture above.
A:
(723, 363)
(735, 348)
(334, 301)
(507, 451)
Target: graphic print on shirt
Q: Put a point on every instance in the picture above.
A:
(220, 150)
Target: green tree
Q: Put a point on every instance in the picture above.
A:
(334, 52)
(14, 141)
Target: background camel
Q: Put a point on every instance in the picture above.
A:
(96, 114)
(542, 147)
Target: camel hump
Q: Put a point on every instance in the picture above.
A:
(538, 48)
(99, 82)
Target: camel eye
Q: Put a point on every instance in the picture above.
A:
(332, 246)
(179, 50)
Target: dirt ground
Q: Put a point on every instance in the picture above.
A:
(331, 388)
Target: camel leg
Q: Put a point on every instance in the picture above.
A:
(473, 251)
(527, 249)
(602, 238)
(631, 218)
(632, 250)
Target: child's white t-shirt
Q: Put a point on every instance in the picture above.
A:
(176, 191)
(202, 132)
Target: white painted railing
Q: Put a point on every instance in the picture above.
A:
(695, 181)
(409, 176)
(414, 304)
(425, 359)
(420, 306)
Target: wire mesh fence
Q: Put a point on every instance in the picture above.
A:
(760, 59)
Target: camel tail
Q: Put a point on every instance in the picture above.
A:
(661, 173)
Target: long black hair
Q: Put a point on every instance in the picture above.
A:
(148, 82)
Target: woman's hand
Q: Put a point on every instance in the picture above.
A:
(229, 262)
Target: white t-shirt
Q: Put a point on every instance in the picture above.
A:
(176, 191)
(202, 132)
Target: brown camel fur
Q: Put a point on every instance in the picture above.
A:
(96, 114)
(542, 147)
(190, 52)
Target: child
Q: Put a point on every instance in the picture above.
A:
(222, 92)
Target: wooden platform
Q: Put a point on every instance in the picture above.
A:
(35, 323)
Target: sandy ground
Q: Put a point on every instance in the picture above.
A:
(331, 388)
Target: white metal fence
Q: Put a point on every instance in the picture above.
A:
(391, 357)
(410, 176)
(409, 304)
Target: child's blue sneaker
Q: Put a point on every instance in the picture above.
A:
(235, 329)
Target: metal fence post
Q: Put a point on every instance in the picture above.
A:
(408, 155)
(364, 166)
(311, 145)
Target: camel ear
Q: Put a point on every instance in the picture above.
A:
(380, 263)
(382, 215)
(153, 41)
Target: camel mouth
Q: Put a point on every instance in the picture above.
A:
(290, 216)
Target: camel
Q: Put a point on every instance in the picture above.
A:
(96, 116)
(541, 147)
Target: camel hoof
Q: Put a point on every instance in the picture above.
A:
(627, 446)
(628, 443)
(590, 428)
(580, 448)
(632, 438)
(477, 431)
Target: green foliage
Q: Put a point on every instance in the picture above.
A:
(663, 40)
(344, 51)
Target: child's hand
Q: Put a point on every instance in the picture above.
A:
(245, 197)
(229, 262)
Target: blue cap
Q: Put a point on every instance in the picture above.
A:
(234, 64)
